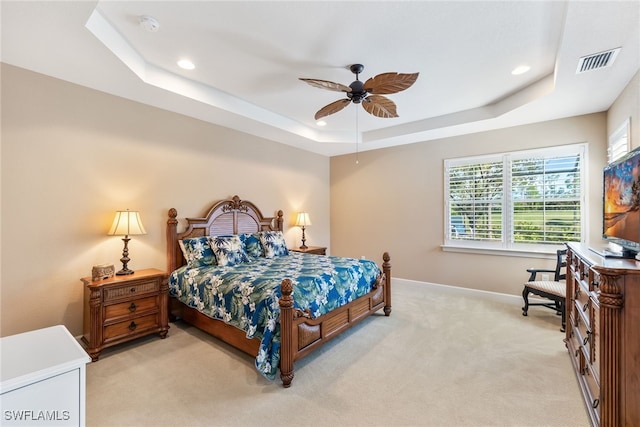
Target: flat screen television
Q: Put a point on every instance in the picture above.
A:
(621, 213)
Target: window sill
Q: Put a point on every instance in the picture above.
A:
(547, 252)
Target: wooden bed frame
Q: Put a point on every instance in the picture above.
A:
(299, 333)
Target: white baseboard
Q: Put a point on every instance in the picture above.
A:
(495, 296)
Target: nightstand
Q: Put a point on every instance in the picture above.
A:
(317, 250)
(123, 308)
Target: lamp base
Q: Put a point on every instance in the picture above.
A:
(304, 246)
(125, 258)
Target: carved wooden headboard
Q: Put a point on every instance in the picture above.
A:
(231, 216)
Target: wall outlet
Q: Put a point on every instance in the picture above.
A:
(545, 278)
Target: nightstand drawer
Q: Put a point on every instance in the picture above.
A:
(316, 250)
(122, 308)
(131, 290)
(129, 327)
(130, 308)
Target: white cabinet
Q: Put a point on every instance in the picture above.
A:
(42, 380)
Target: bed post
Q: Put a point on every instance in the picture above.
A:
(286, 331)
(280, 221)
(172, 237)
(386, 268)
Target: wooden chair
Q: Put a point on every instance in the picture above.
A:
(554, 290)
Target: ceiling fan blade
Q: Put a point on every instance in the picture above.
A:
(387, 83)
(380, 106)
(325, 84)
(334, 107)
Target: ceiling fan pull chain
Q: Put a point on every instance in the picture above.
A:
(357, 135)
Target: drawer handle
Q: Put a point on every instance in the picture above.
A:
(132, 307)
(595, 404)
(586, 339)
(132, 326)
(132, 290)
(577, 352)
(585, 307)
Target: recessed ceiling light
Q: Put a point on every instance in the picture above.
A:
(186, 64)
(520, 70)
(321, 123)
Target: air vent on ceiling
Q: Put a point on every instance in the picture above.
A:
(597, 61)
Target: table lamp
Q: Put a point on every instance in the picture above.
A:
(126, 223)
(303, 221)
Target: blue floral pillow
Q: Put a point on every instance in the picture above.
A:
(252, 244)
(228, 250)
(197, 251)
(273, 244)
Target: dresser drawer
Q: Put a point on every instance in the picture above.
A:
(594, 282)
(130, 327)
(575, 351)
(583, 333)
(593, 390)
(583, 311)
(131, 290)
(130, 308)
(583, 269)
(582, 301)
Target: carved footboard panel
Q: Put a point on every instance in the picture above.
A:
(309, 333)
(303, 334)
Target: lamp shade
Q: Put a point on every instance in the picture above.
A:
(127, 223)
(303, 219)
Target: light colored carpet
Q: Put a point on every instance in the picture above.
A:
(443, 358)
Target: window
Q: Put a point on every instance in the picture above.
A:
(516, 200)
(619, 142)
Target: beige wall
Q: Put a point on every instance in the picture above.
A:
(627, 106)
(393, 201)
(71, 156)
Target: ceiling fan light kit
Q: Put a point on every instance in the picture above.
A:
(369, 93)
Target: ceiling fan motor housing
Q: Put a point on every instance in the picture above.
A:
(357, 93)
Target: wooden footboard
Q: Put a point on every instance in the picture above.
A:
(300, 334)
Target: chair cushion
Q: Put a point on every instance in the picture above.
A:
(549, 286)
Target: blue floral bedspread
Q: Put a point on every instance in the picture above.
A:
(246, 295)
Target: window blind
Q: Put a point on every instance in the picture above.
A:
(516, 198)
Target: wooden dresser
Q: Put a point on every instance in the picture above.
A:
(123, 308)
(603, 334)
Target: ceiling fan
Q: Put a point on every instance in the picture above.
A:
(369, 93)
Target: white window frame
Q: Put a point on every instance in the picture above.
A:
(619, 141)
(507, 246)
